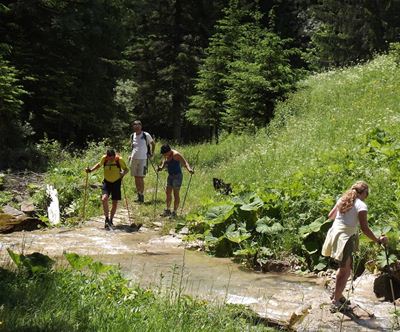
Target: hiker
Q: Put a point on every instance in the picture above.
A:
(143, 147)
(342, 238)
(173, 161)
(114, 170)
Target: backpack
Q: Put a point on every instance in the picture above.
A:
(116, 161)
(144, 136)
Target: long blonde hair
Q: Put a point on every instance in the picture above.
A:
(346, 202)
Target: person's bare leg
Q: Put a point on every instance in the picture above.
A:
(342, 275)
(176, 199)
(168, 192)
(104, 200)
(139, 183)
(113, 209)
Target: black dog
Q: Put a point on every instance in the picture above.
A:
(222, 187)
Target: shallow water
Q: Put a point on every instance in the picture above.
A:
(164, 264)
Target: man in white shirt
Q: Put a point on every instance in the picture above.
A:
(142, 148)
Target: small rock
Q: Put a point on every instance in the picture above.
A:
(184, 231)
(28, 207)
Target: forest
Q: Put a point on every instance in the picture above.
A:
(81, 71)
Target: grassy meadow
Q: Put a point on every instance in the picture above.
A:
(339, 127)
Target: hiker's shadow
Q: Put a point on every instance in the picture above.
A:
(371, 322)
(128, 228)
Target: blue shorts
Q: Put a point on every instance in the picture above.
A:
(113, 189)
(174, 180)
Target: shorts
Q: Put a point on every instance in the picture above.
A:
(175, 180)
(113, 189)
(348, 251)
(138, 167)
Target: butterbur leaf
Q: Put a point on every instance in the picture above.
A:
(78, 262)
(15, 257)
(237, 236)
(314, 227)
(219, 214)
(320, 266)
(265, 229)
(256, 203)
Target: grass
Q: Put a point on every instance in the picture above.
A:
(339, 127)
(96, 297)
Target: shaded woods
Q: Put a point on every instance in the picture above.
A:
(80, 71)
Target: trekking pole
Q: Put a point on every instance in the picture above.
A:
(391, 284)
(190, 179)
(155, 194)
(85, 196)
(126, 201)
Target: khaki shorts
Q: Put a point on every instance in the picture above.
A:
(138, 167)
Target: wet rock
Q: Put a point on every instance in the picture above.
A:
(12, 211)
(276, 266)
(383, 289)
(299, 315)
(28, 207)
(10, 223)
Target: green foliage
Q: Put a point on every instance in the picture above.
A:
(288, 177)
(245, 71)
(11, 95)
(345, 33)
(32, 264)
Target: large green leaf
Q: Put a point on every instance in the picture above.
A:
(254, 205)
(15, 257)
(236, 236)
(78, 262)
(314, 227)
(270, 230)
(219, 214)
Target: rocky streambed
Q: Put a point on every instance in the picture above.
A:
(165, 262)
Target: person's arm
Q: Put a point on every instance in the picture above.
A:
(333, 213)
(184, 162)
(153, 147)
(124, 168)
(161, 166)
(362, 217)
(91, 169)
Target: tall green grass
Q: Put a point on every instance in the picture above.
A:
(95, 297)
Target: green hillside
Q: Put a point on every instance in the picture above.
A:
(340, 127)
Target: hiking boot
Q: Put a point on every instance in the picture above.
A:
(107, 223)
(111, 223)
(140, 198)
(172, 215)
(340, 307)
(166, 213)
(342, 300)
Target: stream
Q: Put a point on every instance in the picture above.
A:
(296, 302)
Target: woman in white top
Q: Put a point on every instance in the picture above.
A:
(342, 238)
